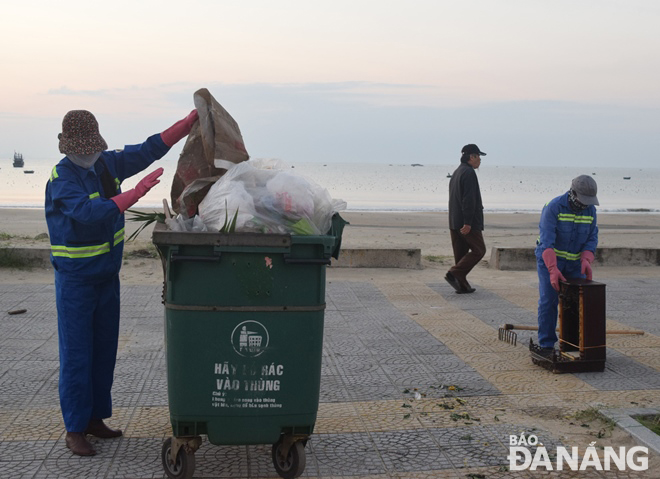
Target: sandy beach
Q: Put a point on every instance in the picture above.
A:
(427, 231)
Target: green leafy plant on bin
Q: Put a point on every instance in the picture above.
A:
(149, 218)
(230, 225)
(146, 218)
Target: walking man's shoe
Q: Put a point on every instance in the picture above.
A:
(465, 287)
(97, 427)
(79, 445)
(453, 282)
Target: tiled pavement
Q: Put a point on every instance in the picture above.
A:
(415, 384)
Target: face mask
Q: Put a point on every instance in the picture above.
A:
(574, 202)
(84, 161)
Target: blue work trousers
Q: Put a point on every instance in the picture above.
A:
(549, 298)
(88, 329)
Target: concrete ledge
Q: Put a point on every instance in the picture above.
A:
(522, 259)
(379, 258)
(31, 256)
(348, 258)
(624, 419)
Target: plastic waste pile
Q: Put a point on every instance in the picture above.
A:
(266, 199)
(216, 189)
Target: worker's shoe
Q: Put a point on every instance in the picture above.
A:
(79, 445)
(453, 282)
(547, 353)
(97, 427)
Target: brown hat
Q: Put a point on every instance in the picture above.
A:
(80, 134)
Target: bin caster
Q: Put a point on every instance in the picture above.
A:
(289, 457)
(178, 457)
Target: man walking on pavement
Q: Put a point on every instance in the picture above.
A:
(568, 237)
(466, 219)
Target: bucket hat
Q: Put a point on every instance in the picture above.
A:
(585, 189)
(80, 134)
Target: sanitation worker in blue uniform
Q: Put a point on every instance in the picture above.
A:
(85, 215)
(565, 249)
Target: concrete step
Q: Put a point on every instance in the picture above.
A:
(523, 259)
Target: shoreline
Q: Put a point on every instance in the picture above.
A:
(514, 211)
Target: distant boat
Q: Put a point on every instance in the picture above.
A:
(626, 177)
(416, 164)
(28, 172)
(18, 160)
(448, 175)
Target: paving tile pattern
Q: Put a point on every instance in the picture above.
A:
(622, 369)
(406, 392)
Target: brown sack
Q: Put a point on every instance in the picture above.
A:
(216, 136)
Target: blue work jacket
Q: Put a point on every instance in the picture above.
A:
(567, 232)
(86, 229)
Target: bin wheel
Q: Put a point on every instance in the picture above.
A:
(180, 468)
(293, 464)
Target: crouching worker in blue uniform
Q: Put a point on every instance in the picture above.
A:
(85, 216)
(565, 249)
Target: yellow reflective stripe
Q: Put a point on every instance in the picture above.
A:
(567, 255)
(575, 218)
(86, 251)
(117, 182)
(94, 195)
(80, 251)
(53, 173)
(119, 237)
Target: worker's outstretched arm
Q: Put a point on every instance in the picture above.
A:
(180, 129)
(127, 199)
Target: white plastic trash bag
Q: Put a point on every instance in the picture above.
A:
(233, 200)
(268, 200)
(180, 223)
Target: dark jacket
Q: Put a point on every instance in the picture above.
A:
(465, 206)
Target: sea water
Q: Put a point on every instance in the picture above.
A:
(396, 187)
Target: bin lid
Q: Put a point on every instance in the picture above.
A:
(163, 236)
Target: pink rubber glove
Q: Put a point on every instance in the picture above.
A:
(550, 260)
(586, 258)
(180, 129)
(128, 198)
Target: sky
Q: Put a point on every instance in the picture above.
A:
(532, 82)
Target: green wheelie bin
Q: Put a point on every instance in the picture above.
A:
(243, 338)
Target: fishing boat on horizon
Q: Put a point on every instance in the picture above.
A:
(18, 160)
